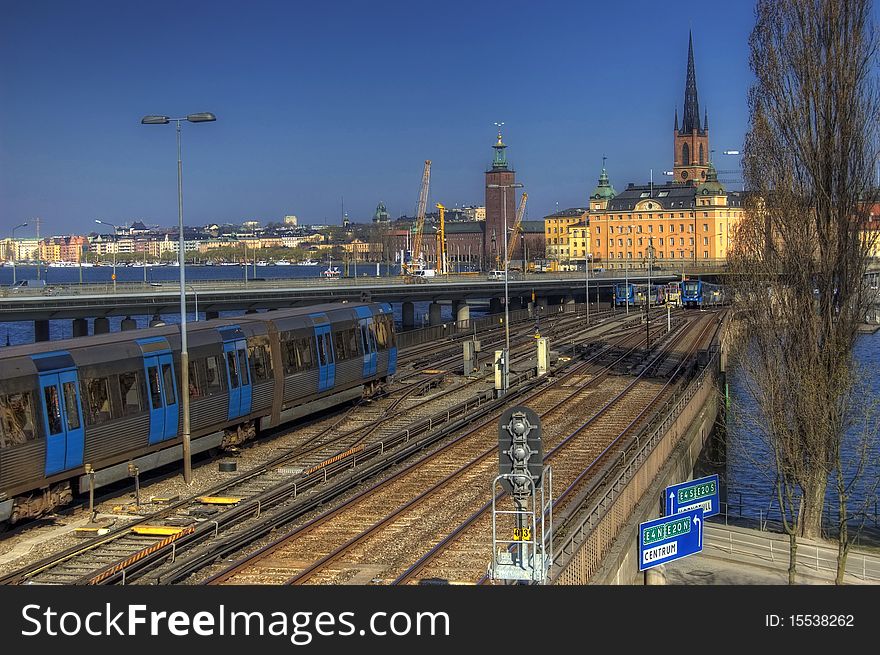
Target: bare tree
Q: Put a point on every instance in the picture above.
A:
(802, 249)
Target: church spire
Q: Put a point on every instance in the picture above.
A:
(676, 119)
(691, 119)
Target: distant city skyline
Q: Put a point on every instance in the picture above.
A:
(319, 103)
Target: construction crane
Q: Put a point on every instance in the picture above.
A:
(517, 227)
(416, 260)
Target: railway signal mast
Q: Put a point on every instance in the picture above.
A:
(525, 555)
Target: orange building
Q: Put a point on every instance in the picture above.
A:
(690, 221)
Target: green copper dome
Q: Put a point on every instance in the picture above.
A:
(604, 191)
(711, 187)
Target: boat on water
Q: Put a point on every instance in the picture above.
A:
(307, 262)
(331, 273)
(282, 262)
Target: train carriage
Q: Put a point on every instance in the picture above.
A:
(697, 293)
(104, 402)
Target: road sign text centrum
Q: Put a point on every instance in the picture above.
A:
(670, 538)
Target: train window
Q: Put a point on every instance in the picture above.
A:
(392, 337)
(380, 333)
(243, 366)
(129, 388)
(304, 357)
(196, 388)
(288, 353)
(372, 333)
(328, 347)
(341, 348)
(53, 409)
(365, 339)
(168, 378)
(353, 348)
(153, 384)
(213, 378)
(96, 392)
(322, 356)
(261, 363)
(71, 405)
(232, 364)
(17, 419)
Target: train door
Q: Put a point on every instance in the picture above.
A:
(326, 360)
(62, 411)
(390, 341)
(238, 379)
(368, 340)
(161, 385)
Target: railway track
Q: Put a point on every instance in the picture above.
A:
(363, 527)
(578, 460)
(161, 534)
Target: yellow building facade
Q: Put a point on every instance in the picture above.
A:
(558, 247)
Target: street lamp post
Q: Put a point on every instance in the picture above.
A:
(505, 371)
(184, 353)
(196, 294)
(115, 248)
(648, 312)
(14, 249)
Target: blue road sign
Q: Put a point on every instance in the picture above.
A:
(670, 537)
(695, 493)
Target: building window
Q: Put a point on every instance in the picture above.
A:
(671, 227)
(705, 254)
(685, 155)
(671, 254)
(691, 240)
(681, 227)
(661, 241)
(705, 241)
(681, 241)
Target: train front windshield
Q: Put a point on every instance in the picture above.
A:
(691, 288)
(622, 291)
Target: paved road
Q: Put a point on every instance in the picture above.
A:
(743, 556)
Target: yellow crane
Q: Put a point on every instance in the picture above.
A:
(416, 259)
(441, 242)
(517, 226)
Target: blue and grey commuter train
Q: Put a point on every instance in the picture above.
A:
(637, 294)
(696, 293)
(99, 404)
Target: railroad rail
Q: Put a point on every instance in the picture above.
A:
(437, 468)
(160, 535)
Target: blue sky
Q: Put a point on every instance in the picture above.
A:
(320, 101)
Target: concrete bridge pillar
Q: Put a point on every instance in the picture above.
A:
(80, 327)
(434, 313)
(128, 323)
(408, 315)
(102, 325)
(495, 306)
(41, 330)
(462, 314)
(210, 316)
